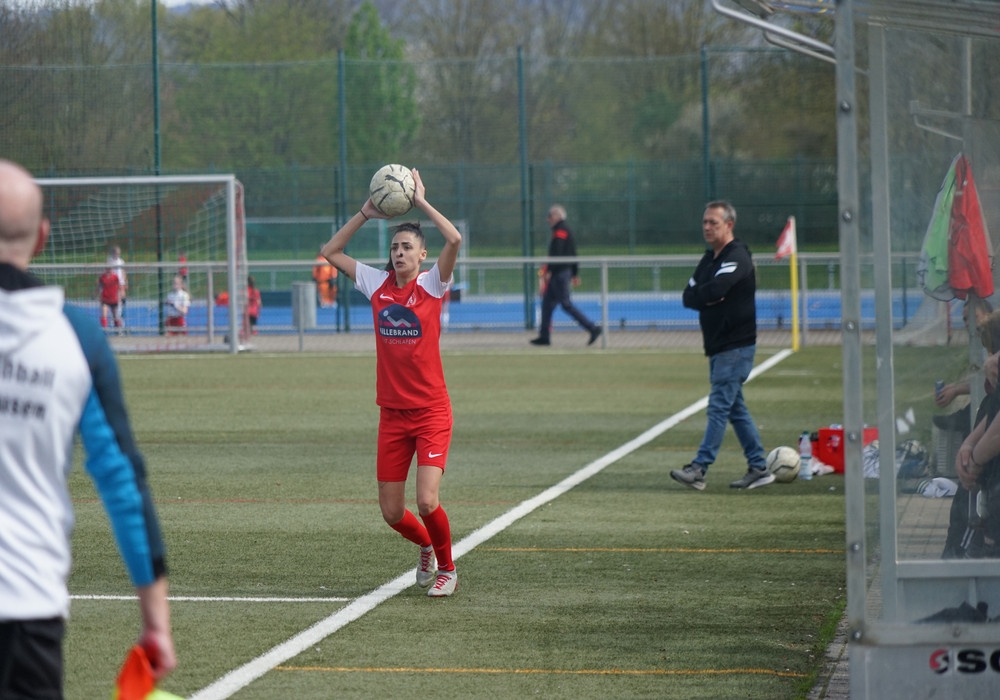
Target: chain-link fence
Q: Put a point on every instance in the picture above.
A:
(633, 147)
(636, 299)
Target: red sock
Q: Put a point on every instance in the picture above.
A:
(104, 323)
(410, 528)
(440, 532)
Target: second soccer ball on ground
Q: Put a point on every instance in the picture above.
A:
(784, 462)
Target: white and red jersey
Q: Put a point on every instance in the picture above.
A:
(407, 336)
(110, 287)
(117, 265)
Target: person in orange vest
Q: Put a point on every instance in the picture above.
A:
(254, 304)
(325, 275)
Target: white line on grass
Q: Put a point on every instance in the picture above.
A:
(244, 675)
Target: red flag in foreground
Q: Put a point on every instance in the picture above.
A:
(970, 253)
(956, 258)
(135, 682)
(786, 242)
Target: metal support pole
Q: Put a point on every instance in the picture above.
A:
(522, 132)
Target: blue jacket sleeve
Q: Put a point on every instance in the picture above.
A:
(113, 460)
(115, 481)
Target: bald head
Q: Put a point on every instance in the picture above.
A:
(23, 229)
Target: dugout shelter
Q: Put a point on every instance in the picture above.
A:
(917, 88)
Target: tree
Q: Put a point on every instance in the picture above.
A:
(468, 77)
(68, 114)
(643, 28)
(257, 88)
(605, 79)
(258, 31)
(382, 113)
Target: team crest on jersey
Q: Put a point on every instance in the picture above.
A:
(397, 321)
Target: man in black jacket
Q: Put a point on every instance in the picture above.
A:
(556, 280)
(722, 291)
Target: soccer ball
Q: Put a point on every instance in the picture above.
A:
(784, 463)
(391, 190)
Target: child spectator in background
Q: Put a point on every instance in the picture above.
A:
(109, 292)
(117, 264)
(177, 305)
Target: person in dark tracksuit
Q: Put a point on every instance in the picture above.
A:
(722, 291)
(557, 278)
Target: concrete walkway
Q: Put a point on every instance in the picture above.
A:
(833, 682)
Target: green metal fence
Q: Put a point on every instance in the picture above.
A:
(633, 147)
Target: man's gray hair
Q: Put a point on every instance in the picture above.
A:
(728, 209)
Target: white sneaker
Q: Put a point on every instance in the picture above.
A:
(426, 566)
(447, 582)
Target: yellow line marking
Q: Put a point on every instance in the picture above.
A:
(553, 671)
(667, 550)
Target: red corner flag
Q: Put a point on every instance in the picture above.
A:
(786, 242)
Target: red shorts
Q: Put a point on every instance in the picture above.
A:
(402, 433)
(175, 322)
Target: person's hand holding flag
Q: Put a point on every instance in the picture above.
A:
(136, 681)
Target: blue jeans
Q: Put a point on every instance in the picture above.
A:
(727, 372)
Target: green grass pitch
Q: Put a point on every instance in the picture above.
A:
(626, 586)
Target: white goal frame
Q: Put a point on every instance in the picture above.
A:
(236, 263)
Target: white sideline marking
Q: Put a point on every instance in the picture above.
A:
(216, 599)
(244, 675)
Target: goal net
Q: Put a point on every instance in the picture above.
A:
(164, 227)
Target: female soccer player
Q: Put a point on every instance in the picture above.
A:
(415, 412)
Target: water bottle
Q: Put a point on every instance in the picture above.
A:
(938, 388)
(805, 455)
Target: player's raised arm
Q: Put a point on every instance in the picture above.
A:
(333, 249)
(452, 238)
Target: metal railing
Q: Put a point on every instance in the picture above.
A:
(625, 294)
